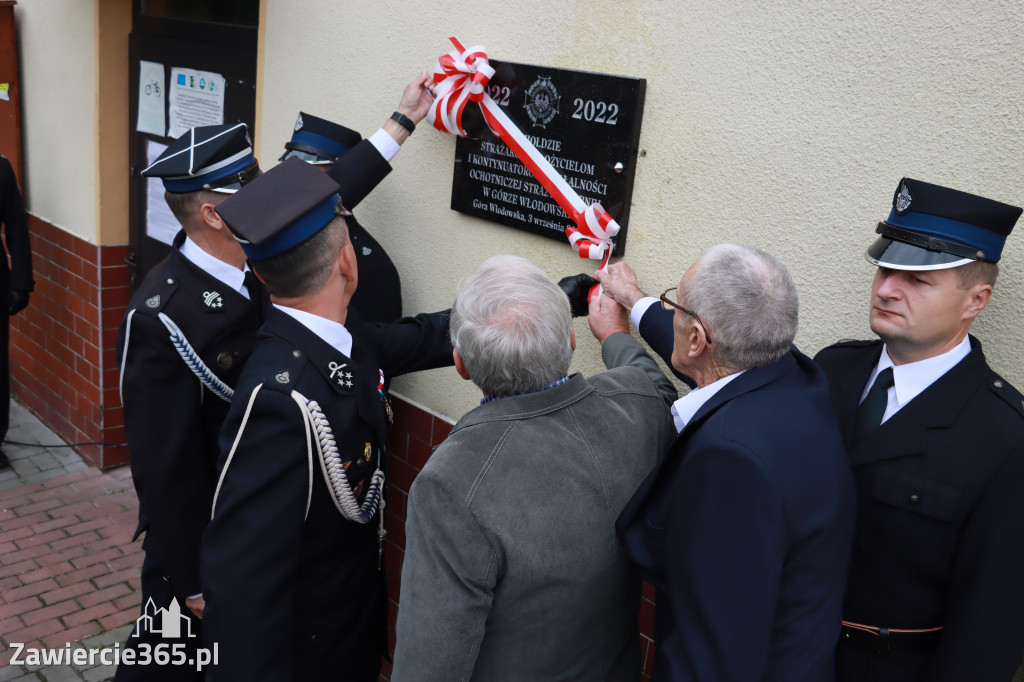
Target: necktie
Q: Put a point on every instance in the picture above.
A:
(253, 285)
(869, 413)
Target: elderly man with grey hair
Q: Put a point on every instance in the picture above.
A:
(512, 568)
(745, 527)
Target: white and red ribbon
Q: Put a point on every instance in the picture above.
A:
(460, 77)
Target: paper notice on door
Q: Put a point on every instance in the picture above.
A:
(5, 91)
(151, 99)
(197, 99)
(161, 224)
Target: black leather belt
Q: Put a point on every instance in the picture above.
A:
(884, 640)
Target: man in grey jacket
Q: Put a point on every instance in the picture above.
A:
(512, 567)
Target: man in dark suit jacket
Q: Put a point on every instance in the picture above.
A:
(291, 561)
(936, 583)
(15, 280)
(745, 527)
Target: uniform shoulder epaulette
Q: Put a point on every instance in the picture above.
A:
(284, 374)
(158, 297)
(1005, 390)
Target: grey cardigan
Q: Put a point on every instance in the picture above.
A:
(512, 567)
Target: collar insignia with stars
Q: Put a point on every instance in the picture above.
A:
(153, 301)
(340, 375)
(212, 299)
(283, 377)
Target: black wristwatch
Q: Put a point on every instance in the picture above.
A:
(404, 121)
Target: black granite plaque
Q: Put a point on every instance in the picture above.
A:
(587, 125)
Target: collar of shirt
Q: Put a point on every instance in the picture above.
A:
(490, 398)
(215, 267)
(912, 378)
(330, 331)
(687, 406)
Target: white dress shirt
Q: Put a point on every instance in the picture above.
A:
(385, 144)
(687, 406)
(215, 267)
(330, 331)
(912, 378)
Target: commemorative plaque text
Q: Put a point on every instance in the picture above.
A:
(587, 125)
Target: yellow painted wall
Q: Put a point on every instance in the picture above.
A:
(59, 107)
(783, 125)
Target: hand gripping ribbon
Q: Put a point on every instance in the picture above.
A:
(460, 77)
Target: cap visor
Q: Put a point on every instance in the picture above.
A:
(888, 253)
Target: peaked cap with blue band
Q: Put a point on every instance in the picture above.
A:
(281, 209)
(217, 158)
(318, 140)
(933, 228)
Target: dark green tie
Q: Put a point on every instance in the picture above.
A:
(870, 412)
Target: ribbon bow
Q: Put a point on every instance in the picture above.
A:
(460, 77)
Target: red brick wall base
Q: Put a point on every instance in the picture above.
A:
(62, 346)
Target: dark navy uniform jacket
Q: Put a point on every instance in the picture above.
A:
(940, 521)
(293, 595)
(379, 295)
(172, 421)
(745, 529)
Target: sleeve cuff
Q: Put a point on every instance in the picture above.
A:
(385, 144)
(640, 308)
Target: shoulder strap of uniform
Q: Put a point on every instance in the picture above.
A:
(1002, 388)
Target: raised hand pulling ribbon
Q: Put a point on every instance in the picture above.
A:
(461, 76)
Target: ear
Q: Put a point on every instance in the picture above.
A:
(460, 366)
(978, 297)
(210, 217)
(697, 338)
(572, 337)
(347, 261)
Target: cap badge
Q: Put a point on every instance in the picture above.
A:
(903, 199)
(339, 375)
(153, 301)
(367, 250)
(298, 123)
(283, 377)
(212, 299)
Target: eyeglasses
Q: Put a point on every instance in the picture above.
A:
(669, 305)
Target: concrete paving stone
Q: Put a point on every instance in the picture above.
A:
(44, 460)
(26, 678)
(40, 476)
(76, 466)
(9, 485)
(109, 638)
(60, 673)
(6, 474)
(103, 672)
(9, 672)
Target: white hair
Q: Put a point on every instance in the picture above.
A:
(749, 302)
(512, 326)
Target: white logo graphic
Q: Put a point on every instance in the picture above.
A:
(903, 199)
(170, 620)
(542, 101)
(212, 299)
